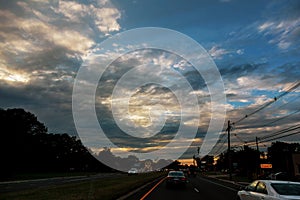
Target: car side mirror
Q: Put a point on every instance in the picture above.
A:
(246, 188)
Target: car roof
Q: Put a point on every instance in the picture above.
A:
(175, 171)
(278, 181)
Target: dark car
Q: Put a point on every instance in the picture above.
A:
(176, 178)
(192, 171)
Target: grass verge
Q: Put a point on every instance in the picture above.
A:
(29, 176)
(104, 189)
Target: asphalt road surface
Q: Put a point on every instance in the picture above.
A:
(197, 188)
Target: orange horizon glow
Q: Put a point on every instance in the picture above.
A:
(186, 161)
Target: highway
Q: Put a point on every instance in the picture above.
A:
(197, 188)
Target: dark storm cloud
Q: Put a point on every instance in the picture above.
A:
(239, 70)
(51, 103)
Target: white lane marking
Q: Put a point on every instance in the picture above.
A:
(196, 190)
(229, 188)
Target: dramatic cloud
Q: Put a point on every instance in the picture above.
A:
(256, 49)
(43, 44)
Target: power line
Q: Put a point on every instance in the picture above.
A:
(286, 116)
(293, 87)
(280, 137)
(290, 89)
(219, 144)
(285, 130)
(281, 118)
(277, 133)
(240, 139)
(290, 101)
(287, 91)
(292, 128)
(221, 149)
(271, 122)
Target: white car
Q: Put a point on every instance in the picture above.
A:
(270, 190)
(133, 171)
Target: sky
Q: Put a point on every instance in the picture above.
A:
(255, 46)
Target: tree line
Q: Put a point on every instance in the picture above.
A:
(27, 147)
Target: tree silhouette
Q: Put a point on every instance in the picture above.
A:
(25, 146)
(247, 161)
(280, 154)
(18, 129)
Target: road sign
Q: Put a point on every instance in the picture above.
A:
(266, 166)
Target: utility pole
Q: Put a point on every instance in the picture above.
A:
(229, 151)
(256, 140)
(258, 157)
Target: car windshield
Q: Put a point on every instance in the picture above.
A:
(286, 188)
(176, 174)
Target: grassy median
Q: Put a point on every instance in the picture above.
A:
(104, 189)
(30, 176)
